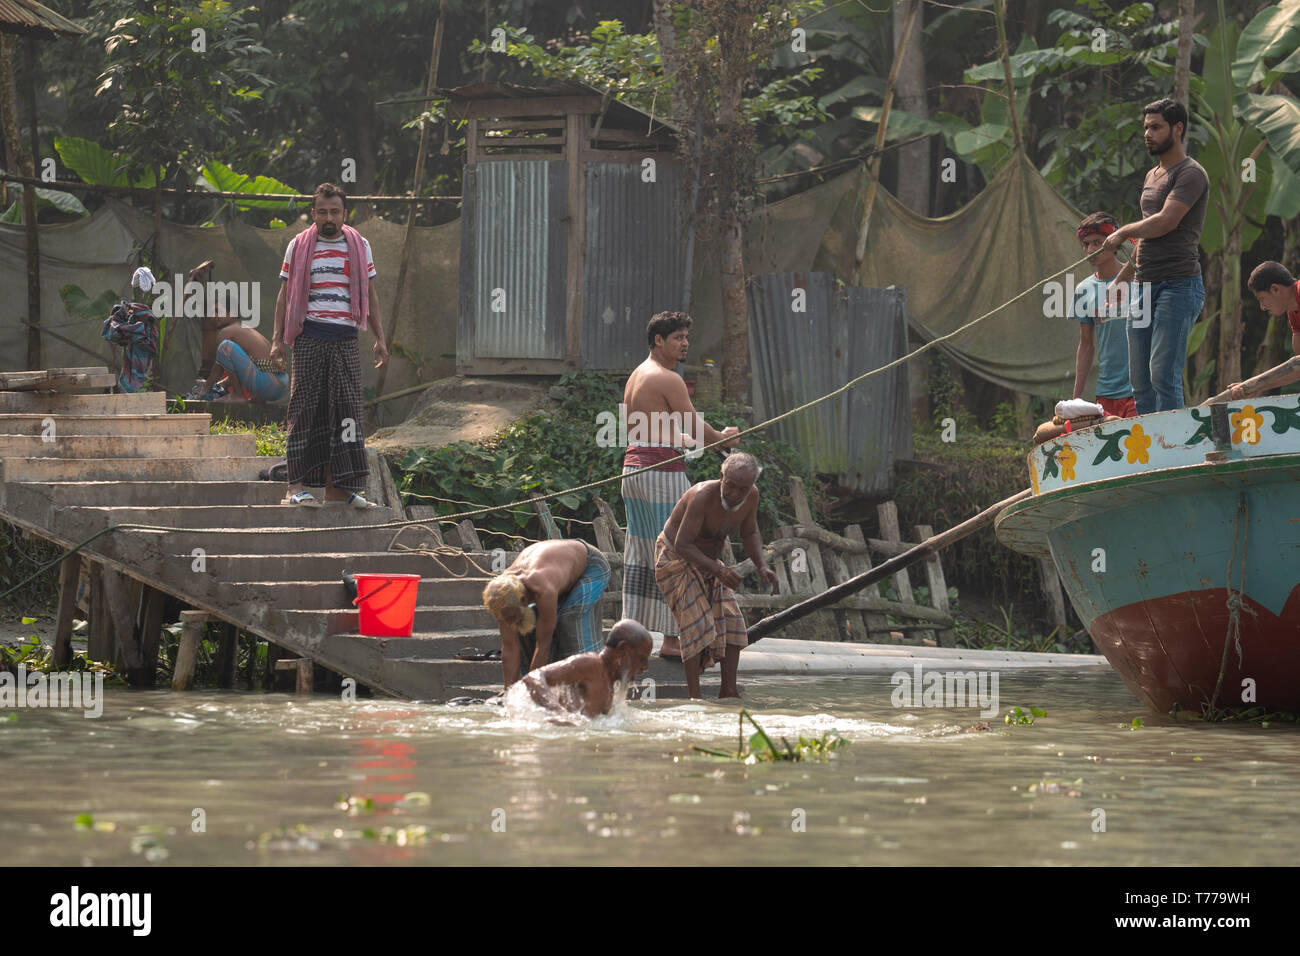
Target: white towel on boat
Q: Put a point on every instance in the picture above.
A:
(1078, 408)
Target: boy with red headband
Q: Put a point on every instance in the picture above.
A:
(1102, 309)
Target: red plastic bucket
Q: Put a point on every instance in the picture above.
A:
(387, 603)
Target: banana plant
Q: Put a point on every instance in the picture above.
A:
(1252, 155)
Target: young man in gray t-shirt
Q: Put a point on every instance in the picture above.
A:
(1175, 197)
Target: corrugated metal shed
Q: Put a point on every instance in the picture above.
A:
(797, 356)
(634, 259)
(513, 256)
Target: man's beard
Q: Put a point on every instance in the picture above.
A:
(329, 229)
(1164, 147)
(527, 620)
(728, 507)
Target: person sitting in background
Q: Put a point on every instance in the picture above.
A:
(1278, 293)
(242, 370)
(235, 364)
(589, 684)
(546, 604)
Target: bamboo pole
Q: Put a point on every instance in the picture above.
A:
(874, 173)
(430, 85)
(968, 527)
(1001, 12)
(151, 192)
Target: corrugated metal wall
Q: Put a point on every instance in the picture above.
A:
(798, 356)
(634, 259)
(513, 254)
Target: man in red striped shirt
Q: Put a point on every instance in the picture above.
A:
(327, 296)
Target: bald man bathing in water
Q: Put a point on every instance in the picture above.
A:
(546, 604)
(588, 684)
(660, 422)
(697, 586)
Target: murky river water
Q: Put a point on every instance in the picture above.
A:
(912, 787)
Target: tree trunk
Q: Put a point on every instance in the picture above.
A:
(1183, 65)
(735, 318)
(25, 165)
(1210, 344)
(1229, 364)
(735, 306)
(913, 160)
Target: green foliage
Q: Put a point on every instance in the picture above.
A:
(179, 105)
(761, 748)
(272, 439)
(99, 166)
(553, 449)
(54, 198)
(975, 471)
(82, 306)
(1019, 717)
(18, 559)
(218, 177)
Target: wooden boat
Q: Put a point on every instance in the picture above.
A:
(1165, 528)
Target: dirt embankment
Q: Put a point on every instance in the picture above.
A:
(460, 409)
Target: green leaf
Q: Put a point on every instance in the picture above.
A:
(29, 620)
(1284, 195)
(1273, 35)
(902, 125)
(81, 306)
(97, 165)
(84, 821)
(1277, 118)
(1197, 337)
(218, 177)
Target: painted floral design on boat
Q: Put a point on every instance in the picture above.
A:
(1136, 445)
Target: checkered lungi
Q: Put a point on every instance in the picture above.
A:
(577, 630)
(649, 499)
(324, 394)
(707, 614)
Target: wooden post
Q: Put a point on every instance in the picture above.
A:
(888, 515)
(227, 656)
(427, 511)
(99, 629)
(187, 655)
(390, 327)
(151, 622)
(620, 536)
(302, 667)
(69, 578)
(250, 669)
(604, 536)
(469, 536)
(877, 626)
(549, 527)
(273, 654)
(945, 637)
(837, 572)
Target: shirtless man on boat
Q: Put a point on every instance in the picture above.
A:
(661, 421)
(700, 589)
(589, 684)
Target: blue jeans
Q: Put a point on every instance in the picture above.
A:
(1158, 352)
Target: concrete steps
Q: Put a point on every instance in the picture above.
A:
(231, 468)
(128, 446)
(66, 494)
(269, 569)
(59, 403)
(61, 425)
(324, 595)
